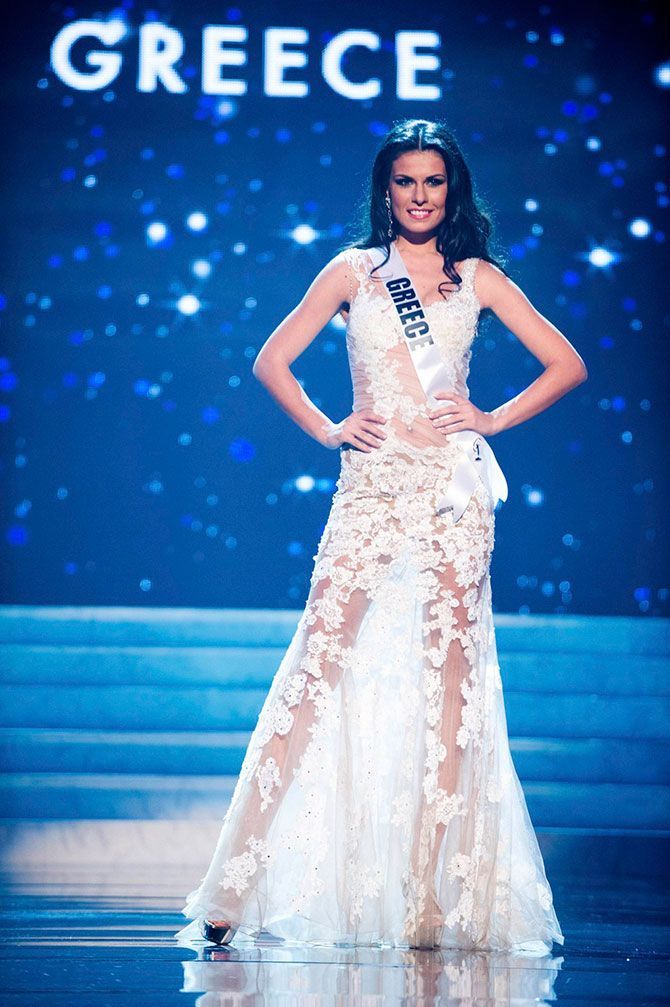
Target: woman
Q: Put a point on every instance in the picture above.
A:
(377, 801)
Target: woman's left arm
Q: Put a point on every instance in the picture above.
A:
(564, 369)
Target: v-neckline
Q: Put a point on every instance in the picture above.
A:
(443, 299)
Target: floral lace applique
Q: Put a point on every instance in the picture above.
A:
(377, 796)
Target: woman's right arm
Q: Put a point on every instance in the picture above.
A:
(325, 296)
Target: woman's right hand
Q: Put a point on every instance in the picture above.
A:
(360, 429)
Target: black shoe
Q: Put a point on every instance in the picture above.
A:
(218, 935)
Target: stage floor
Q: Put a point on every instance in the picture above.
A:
(103, 936)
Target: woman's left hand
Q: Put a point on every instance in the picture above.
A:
(461, 415)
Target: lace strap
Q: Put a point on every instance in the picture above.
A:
(359, 266)
(468, 271)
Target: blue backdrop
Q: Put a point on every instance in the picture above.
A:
(158, 227)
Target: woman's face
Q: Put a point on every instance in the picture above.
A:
(418, 190)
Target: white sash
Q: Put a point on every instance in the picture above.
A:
(478, 461)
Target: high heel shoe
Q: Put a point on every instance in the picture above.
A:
(216, 933)
(422, 934)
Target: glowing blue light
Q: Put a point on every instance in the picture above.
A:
(639, 228)
(226, 108)
(534, 497)
(17, 534)
(142, 300)
(601, 257)
(239, 248)
(593, 143)
(157, 231)
(188, 304)
(304, 484)
(304, 234)
(556, 37)
(531, 205)
(662, 74)
(201, 268)
(90, 181)
(242, 450)
(210, 414)
(196, 221)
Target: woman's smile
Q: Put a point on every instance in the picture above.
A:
(419, 214)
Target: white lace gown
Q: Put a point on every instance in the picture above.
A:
(378, 802)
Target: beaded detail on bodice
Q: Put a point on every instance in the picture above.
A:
(383, 375)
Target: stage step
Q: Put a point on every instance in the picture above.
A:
(252, 666)
(197, 753)
(125, 795)
(217, 708)
(144, 713)
(197, 627)
(86, 849)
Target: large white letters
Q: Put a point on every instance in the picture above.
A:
(408, 61)
(161, 47)
(277, 59)
(215, 56)
(108, 63)
(332, 64)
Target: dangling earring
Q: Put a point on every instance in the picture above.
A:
(387, 200)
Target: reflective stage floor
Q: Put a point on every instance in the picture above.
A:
(99, 936)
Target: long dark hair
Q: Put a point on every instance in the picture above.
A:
(466, 230)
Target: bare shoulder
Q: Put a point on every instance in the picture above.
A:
(328, 290)
(491, 284)
(333, 275)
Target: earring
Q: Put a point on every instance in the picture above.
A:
(387, 200)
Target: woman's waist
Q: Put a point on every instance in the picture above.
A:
(398, 466)
(412, 432)
(407, 416)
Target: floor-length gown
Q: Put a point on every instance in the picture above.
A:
(377, 801)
